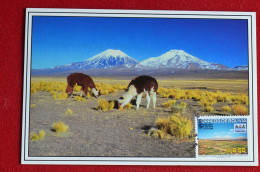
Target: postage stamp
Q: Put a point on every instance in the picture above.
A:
(134, 87)
(222, 137)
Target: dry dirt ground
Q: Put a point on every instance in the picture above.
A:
(96, 133)
(115, 133)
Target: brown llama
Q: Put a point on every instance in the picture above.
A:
(82, 80)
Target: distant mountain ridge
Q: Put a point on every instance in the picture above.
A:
(117, 62)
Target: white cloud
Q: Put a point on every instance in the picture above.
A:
(231, 130)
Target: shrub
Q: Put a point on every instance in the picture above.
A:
(104, 92)
(68, 112)
(206, 101)
(128, 106)
(177, 109)
(33, 90)
(60, 127)
(35, 137)
(169, 103)
(164, 95)
(209, 108)
(156, 133)
(32, 105)
(104, 105)
(60, 96)
(226, 109)
(79, 98)
(111, 105)
(175, 125)
(240, 110)
(183, 105)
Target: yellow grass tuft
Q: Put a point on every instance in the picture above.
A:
(169, 103)
(60, 96)
(226, 109)
(240, 110)
(128, 106)
(33, 90)
(111, 105)
(35, 137)
(79, 98)
(175, 125)
(104, 105)
(32, 105)
(68, 112)
(104, 92)
(60, 127)
(209, 109)
(183, 105)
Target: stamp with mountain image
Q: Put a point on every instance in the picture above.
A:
(221, 137)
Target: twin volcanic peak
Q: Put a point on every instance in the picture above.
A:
(175, 59)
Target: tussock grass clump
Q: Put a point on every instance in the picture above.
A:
(209, 109)
(32, 105)
(128, 106)
(240, 110)
(226, 109)
(68, 112)
(105, 105)
(156, 133)
(79, 99)
(183, 105)
(39, 136)
(33, 91)
(60, 96)
(169, 103)
(179, 108)
(175, 125)
(77, 88)
(60, 127)
(104, 92)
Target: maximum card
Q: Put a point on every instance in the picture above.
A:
(117, 87)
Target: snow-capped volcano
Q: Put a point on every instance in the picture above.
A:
(105, 59)
(111, 58)
(178, 59)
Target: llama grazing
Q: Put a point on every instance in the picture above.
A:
(82, 80)
(137, 87)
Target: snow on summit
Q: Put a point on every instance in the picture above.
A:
(110, 53)
(106, 59)
(176, 59)
(111, 58)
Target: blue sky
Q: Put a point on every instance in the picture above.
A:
(62, 40)
(220, 130)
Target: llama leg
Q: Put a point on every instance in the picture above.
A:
(138, 100)
(81, 92)
(148, 98)
(154, 99)
(86, 92)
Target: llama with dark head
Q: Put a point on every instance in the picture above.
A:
(137, 87)
(82, 80)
